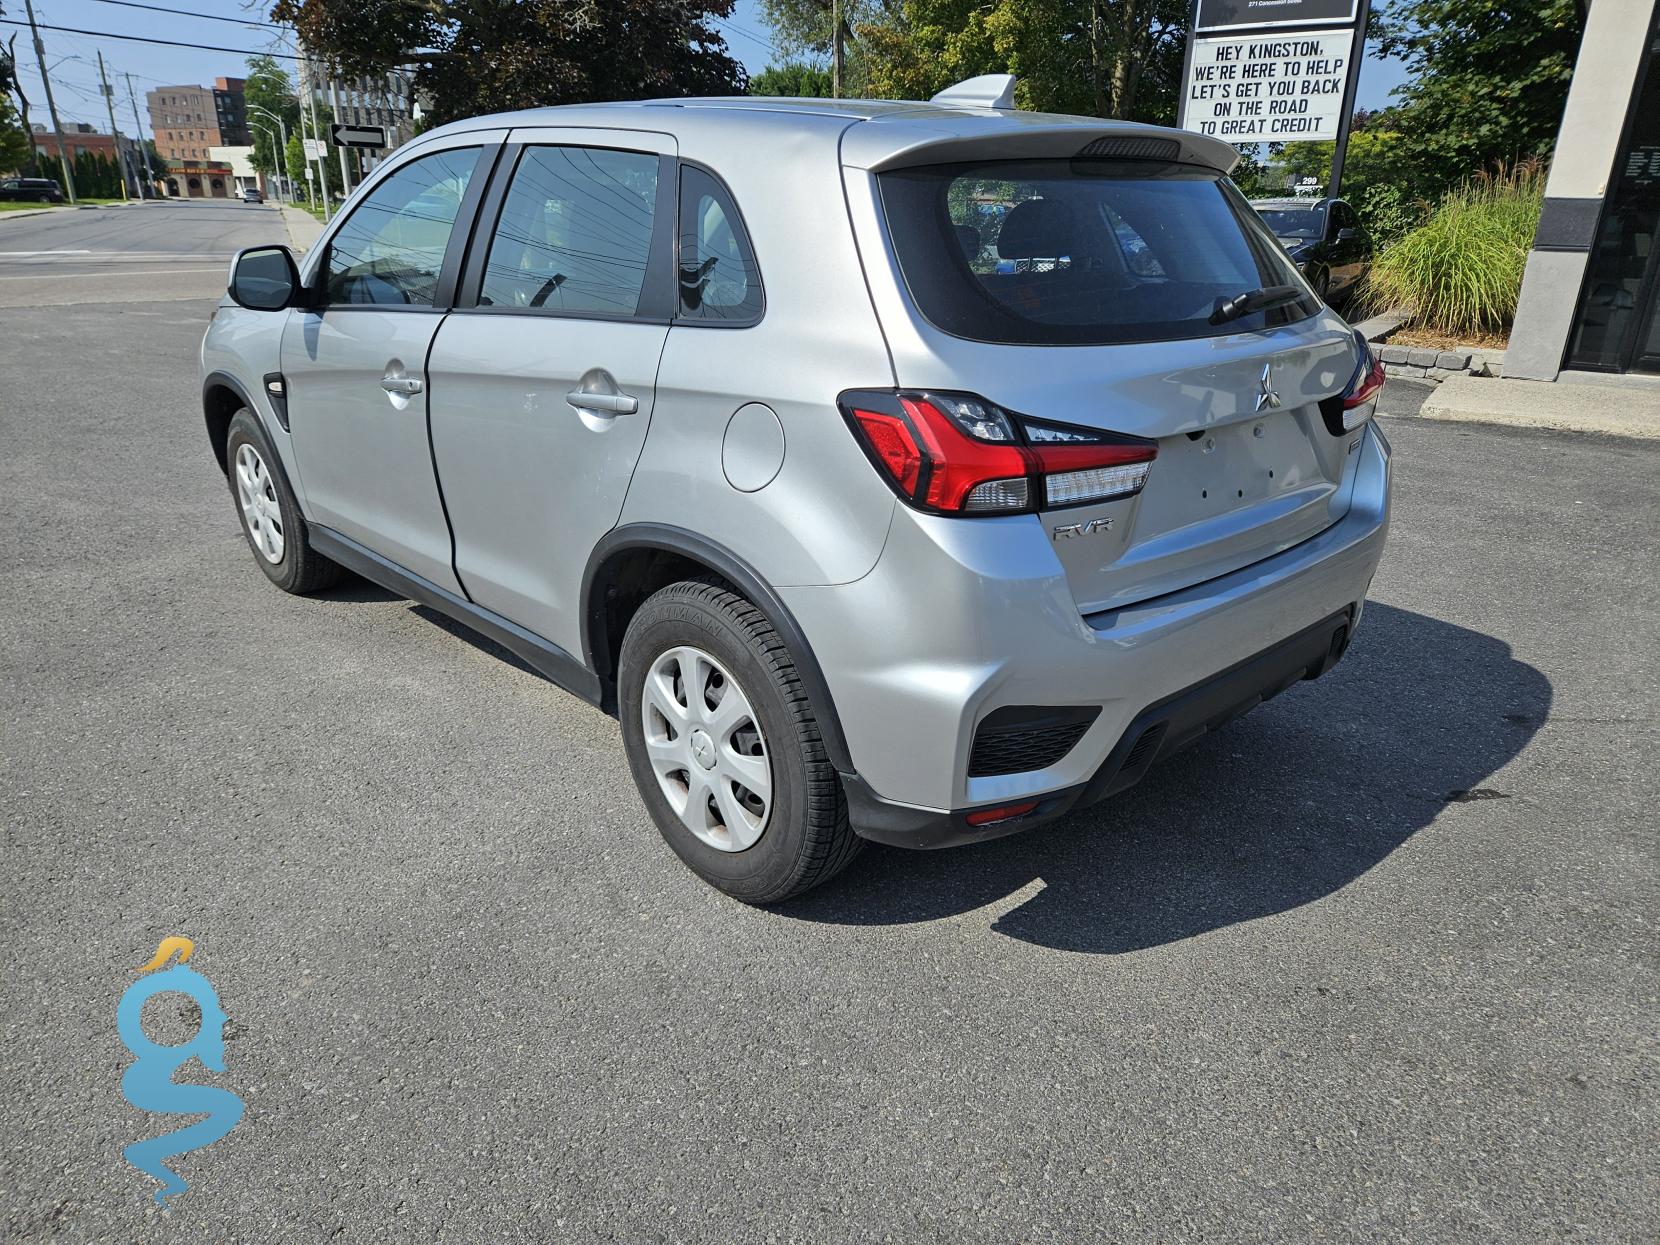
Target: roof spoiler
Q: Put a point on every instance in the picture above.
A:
(990, 90)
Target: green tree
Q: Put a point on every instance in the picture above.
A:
(269, 88)
(1489, 79)
(796, 78)
(1106, 58)
(1377, 156)
(15, 148)
(483, 56)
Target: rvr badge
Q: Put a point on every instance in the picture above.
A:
(1068, 531)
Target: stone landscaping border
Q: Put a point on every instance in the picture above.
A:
(1421, 363)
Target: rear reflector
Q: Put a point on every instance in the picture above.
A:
(956, 453)
(1003, 812)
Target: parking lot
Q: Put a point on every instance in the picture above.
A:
(1375, 962)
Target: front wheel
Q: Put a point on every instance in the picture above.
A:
(270, 513)
(725, 748)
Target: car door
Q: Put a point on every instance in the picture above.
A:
(355, 364)
(544, 377)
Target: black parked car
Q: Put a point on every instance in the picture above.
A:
(1325, 238)
(30, 190)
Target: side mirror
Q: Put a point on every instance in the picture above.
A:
(1347, 235)
(264, 278)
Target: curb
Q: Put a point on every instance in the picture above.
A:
(1560, 406)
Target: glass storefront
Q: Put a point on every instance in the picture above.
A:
(1617, 328)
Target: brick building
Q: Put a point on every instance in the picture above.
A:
(190, 120)
(78, 137)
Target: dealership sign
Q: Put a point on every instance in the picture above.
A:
(1240, 14)
(1273, 87)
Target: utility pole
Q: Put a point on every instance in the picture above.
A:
(835, 49)
(109, 103)
(143, 170)
(51, 105)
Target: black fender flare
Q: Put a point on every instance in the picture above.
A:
(210, 411)
(595, 642)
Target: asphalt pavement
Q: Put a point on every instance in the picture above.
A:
(1376, 962)
(169, 249)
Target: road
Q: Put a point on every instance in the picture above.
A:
(1375, 962)
(178, 249)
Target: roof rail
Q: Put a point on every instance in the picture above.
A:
(991, 90)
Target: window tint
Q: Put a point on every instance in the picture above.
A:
(391, 248)
(1080, 252)
(575, 232)
(719, 280)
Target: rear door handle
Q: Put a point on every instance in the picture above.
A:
(615, 403)
(406, 385)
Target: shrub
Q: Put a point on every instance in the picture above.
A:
(1461, 270)
(1388, 214)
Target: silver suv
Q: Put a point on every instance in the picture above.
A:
(915, 472)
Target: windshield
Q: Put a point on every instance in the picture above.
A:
(1080, 252)
(1292, 222)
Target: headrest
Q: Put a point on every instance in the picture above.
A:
(968, 237)
(1036, 228)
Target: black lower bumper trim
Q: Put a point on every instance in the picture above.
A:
(1159, 730)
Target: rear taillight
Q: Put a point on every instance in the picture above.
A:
(1356, 404)
(955, 453)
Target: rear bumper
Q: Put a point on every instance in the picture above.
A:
(960, 619)
(1158, 731)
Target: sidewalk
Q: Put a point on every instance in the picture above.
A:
(303, 228)
(1567, 405)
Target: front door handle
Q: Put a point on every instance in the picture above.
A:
(405, 385)
(615, 403)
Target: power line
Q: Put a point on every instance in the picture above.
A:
(170, 43)
(207, 17)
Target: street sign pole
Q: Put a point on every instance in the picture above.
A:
(1356, 55)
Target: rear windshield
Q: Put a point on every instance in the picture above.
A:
(1080, 252)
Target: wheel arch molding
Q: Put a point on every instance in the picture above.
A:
(223, 395)
(626, 566)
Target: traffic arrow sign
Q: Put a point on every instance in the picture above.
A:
(359, 135)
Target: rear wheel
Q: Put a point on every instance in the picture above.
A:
(725, 748)
(270, 514)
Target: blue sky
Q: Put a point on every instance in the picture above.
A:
(73, 60)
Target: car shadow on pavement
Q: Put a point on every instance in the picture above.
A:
(1279, 809)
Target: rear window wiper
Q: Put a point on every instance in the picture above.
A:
(1254, 300)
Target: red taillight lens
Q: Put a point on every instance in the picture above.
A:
(891, 442)
(1369, 386)
(959, 454)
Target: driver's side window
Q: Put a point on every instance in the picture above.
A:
(391, 249)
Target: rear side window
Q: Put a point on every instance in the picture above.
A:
(391, 248)
(574, 233)
(719, 280)
(1080, 252)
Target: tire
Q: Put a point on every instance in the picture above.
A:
(805, 839)
(1322, 287)
(297, 568)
